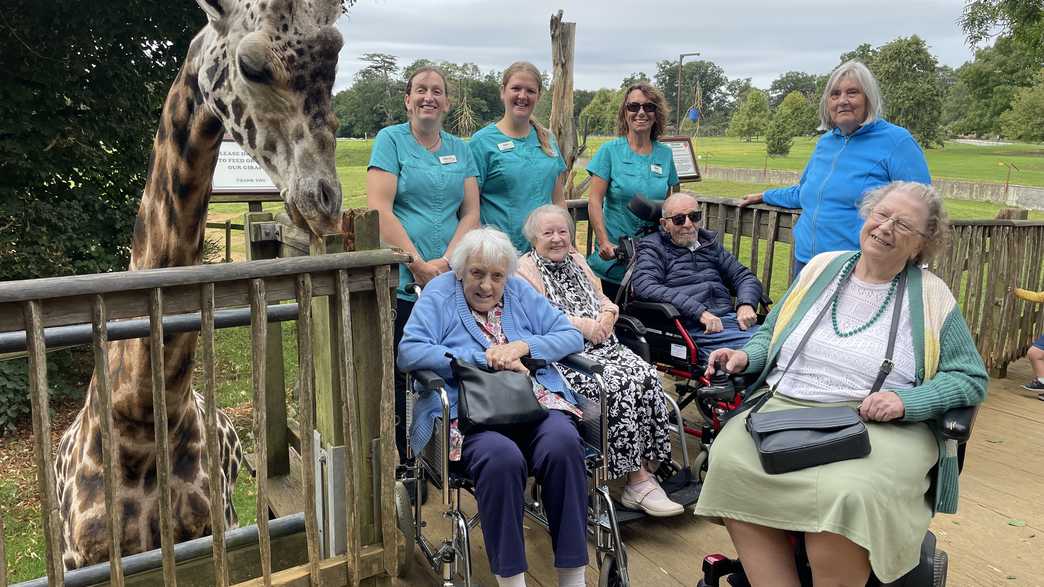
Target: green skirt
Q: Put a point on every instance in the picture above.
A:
(877, 502)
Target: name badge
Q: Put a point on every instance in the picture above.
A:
(656, 169)
(506, 146)
(447, 159)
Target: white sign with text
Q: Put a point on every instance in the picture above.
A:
(237, 171)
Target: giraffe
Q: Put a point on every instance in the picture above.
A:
(263, 70)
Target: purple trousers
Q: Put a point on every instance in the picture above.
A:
(500, 463)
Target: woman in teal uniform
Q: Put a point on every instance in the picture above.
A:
(519, 166)
(421, 181)
(633, 163)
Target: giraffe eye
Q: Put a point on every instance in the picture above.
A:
(257, 72)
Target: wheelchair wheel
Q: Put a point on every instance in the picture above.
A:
(405, 523)
(610, 574)
(939, 567)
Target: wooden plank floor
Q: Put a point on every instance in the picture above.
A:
(997, 538)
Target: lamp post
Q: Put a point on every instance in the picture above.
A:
(677, 114)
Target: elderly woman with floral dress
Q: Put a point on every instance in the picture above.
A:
(638, 433)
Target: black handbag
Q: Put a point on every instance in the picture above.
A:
(789, 440)
(493, 400)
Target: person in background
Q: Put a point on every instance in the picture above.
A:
(421, 181)
(519, 165)
(633, 163)
(859, 152)
(1035, 354)
(639, 436)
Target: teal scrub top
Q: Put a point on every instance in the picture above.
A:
(515, 176)
(627, 174)
(429, 191)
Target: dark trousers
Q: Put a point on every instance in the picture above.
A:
(499, 464)
(403, 309)
(730, 337)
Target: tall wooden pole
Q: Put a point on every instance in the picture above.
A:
(563, 126)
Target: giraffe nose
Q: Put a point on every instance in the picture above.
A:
(329, 200)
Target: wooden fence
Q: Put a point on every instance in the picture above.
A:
(344, 337)
(985, 259)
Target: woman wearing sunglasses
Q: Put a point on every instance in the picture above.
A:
(421, 181)
(633, 163)
(519, 166)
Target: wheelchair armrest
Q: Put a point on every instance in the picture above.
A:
(631, 323)
(957, 423)
(583, 364)
(427, 379)
(666, 310)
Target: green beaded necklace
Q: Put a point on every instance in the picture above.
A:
(846, 272)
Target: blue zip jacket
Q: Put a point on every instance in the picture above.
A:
(441, 322)
(841, 171)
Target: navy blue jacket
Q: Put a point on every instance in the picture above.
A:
(693, 281)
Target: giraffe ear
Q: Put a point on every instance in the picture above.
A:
(216, 9)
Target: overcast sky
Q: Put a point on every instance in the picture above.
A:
(759, 39)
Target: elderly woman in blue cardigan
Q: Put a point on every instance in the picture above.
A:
(870, 513)
(483, 313)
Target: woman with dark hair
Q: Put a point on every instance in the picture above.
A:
(421, 181)
(633, 163)
(519, 166)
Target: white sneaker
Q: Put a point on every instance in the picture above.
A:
(649, 497)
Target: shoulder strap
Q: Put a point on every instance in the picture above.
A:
(887, 364)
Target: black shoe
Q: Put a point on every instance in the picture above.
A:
(1034, 385)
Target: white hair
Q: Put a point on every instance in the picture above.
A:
(677, 196)
(867, 82)
(938, 222)
(485, 244)
(529, 229)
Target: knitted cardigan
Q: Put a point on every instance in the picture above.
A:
(950, 372)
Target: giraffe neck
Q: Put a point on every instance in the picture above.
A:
(168, 232)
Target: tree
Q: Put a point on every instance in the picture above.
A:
(634, 78)
(1025, 120)
(81, 91)
(794, 117)
(792, 81)
(711, 80)
(778, 139)
(752, 118)
(985, 87)
(599, 116)
(1020, 20)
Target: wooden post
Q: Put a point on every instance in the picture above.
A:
(563, 126)
(327, 383)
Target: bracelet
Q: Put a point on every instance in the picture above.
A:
(445, 259)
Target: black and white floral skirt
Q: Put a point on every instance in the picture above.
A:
(637, 407)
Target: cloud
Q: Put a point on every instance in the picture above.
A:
(756, 39)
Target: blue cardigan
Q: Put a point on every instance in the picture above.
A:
(839, 173)
(441, 322)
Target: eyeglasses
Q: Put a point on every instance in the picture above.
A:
(679, 219)
(649, 107)
(901, 226)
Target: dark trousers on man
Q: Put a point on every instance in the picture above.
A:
(500, 463)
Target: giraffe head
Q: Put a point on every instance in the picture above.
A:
(266, 69)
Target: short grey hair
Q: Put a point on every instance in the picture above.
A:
(866, 80)
(938, 224)
(677, 196)
(486, 244)
(529, 229)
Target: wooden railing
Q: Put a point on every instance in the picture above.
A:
(344, 313)
(985, 259)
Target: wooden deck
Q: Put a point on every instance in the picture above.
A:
(996, 539)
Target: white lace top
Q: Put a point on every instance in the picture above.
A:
(832, 368)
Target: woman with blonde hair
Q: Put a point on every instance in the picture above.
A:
(519, 165)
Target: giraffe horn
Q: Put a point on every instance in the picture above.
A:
(325, 12)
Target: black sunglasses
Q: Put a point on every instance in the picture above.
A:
(679, 219)
(649, 107)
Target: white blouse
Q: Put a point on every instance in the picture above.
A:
(833, 368)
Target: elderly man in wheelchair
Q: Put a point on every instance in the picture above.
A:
(685, 266)
(474, 333)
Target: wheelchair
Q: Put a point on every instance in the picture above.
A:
(450, 558)
(655, 332)
(930, 571)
